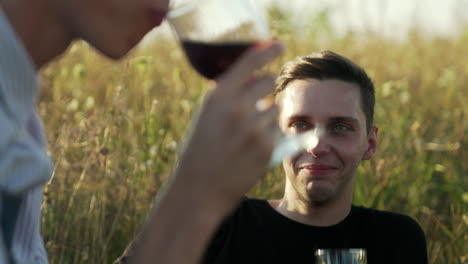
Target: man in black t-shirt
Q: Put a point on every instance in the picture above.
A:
(333, 98)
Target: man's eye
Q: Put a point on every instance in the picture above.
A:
(299, 125)
(341, 127)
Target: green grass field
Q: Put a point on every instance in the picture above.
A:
(114, 131)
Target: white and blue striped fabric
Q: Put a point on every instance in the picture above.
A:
(24, 164)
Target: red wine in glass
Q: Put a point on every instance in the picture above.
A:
(212, 59)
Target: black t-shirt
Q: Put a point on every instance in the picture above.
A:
(257, 233)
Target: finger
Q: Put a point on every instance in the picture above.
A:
(265, 102)
(255, 93)
(256, 57)
(275, 129)
(242, 108)
(268, 127)
(269, 138)
(252, 60)
(258, 131)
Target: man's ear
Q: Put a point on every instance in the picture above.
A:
(372, 143)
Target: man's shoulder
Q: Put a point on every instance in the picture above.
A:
(387, 220)
(394, 231)
(381, 214)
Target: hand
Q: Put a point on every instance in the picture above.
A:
(230, 143)
(227, 150)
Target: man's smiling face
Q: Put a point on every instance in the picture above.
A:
(326, 171)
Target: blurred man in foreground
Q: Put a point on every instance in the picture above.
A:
(32, 33)
(333, 97)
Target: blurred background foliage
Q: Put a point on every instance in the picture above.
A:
(114, 130)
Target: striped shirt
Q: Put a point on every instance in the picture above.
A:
(24, 164)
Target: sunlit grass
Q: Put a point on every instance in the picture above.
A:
(114, 132)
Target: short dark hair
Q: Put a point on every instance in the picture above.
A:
(327, 65)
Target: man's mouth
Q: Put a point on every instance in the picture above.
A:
(318, 169)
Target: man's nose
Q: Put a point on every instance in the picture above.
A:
(319, 145)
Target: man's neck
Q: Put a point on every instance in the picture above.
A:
(314, 213)
(39, 29)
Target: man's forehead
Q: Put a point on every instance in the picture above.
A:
(333, 98)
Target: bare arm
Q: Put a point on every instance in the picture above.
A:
(227, 151)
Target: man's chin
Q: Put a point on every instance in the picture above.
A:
(116, 53)
(319, 195)
(118, 49)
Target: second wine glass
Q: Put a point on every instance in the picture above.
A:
(341, 256)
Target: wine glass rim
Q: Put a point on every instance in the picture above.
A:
(185, 7)
(182, 9)
(351, 250)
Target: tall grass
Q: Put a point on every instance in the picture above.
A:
(114, 131)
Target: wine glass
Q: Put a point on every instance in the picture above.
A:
(214, 34)
(341, 256)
